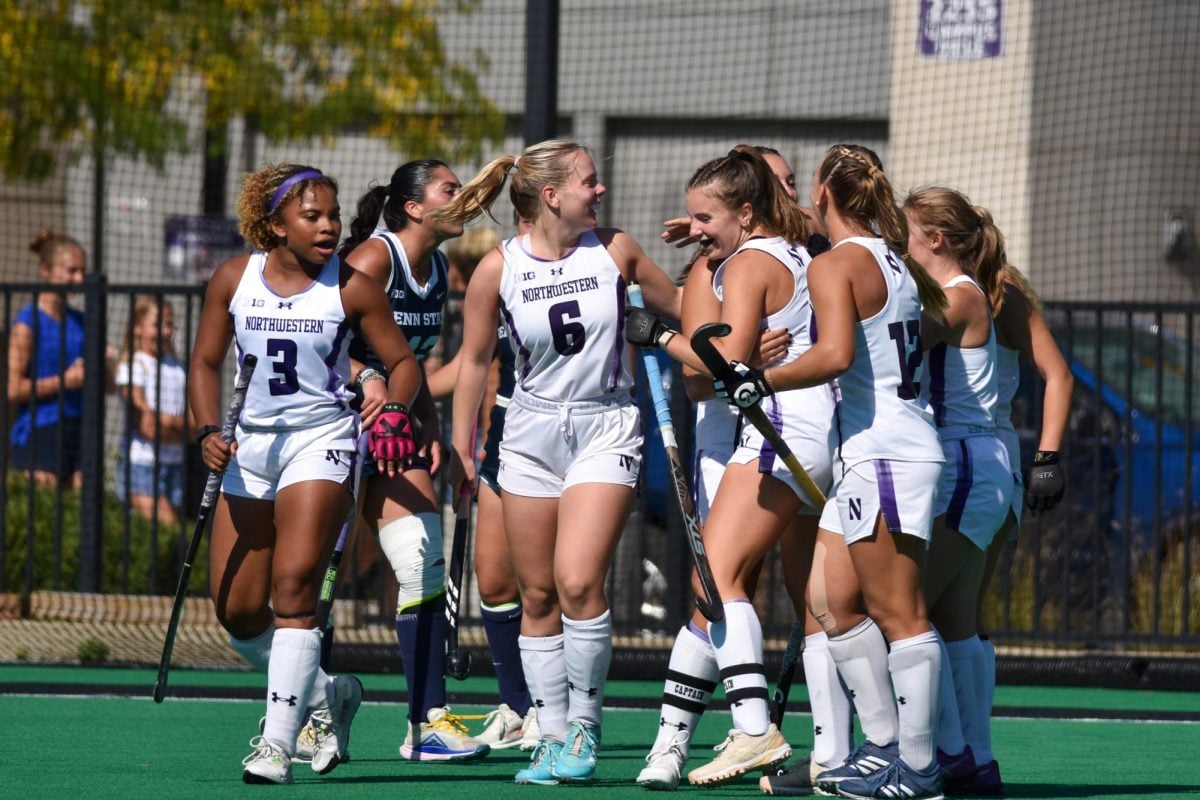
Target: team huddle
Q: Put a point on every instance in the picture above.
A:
(878, 339)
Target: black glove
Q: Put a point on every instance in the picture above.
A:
(645, 329)
(1046, 482)
(744, 388)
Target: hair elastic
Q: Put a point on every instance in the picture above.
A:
(292, 180)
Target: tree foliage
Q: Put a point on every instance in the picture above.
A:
(117, 76)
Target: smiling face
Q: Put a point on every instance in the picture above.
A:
(67, 266)
(577, 199)
(146, 331)
(720, 229)
(311, 224)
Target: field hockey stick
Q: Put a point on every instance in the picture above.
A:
(710, 604)
(787, 671)
(458, 662)
(329, 584)
(207, 501)
(721, 370)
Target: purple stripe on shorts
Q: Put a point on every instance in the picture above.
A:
(522, 350)
(962, 487)
(937, 383)
(618, 350)
(887, 495)
(766, 453)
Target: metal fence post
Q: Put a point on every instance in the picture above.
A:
(91, 516)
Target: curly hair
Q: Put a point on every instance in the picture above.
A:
(257, 205)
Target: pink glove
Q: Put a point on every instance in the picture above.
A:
(392, 434)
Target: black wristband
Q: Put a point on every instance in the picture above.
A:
(1045, 457)
(395, 407)
(204, 431)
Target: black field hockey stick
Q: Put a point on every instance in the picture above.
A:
(458, 662)
(710, 604)
(787, 671)
(721, 370)
(329, 583)
(207, 501)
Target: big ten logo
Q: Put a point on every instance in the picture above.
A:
(254, 302)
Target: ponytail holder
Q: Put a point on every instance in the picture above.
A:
(516, 165)
(292, 180)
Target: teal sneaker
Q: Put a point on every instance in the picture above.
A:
(577, 761)
(541, 764)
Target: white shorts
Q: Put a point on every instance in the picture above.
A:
(802, 417)
(903, 492)
(1012, 443)
(268, 461)
(550, 446)
(714, 443)
(975, 489)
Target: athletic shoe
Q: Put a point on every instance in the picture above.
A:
(794, 779)
(541, 764)
(331, 726)
(740, 753)
(866, 759)
(663, 767)
(984, 781)
(267, 764)
(443, 738)
(895, 780)
(501, 728)
(531, 734)
(306, 743)
(956, 770)
(577, 759)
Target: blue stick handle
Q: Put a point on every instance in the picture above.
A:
(662, 409)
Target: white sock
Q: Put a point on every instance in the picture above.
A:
(737, 643)
(914, 663)
(545, 667)
(256, 651)
(950, 739)
(830, 703)
(692, 675)
(295, 659)
(984, 662)
(587, 651)
(966, 691)
(861, 655)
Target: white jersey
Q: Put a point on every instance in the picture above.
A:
(300, 342)
(797, 314)
(880, 413)
(1008, 380)
(960, 382)
(565, 320)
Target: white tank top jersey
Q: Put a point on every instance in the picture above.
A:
(797, 314)
(960, 382)
(1008, 380)
(300, 342)
(716, 426)
(880, 413)
(565, 320)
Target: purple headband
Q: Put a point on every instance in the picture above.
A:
(292, 180)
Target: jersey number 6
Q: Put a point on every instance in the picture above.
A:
(568, 336)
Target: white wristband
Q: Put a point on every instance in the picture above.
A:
(665, 337)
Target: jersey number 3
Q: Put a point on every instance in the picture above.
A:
(568, 334)
(284, 366)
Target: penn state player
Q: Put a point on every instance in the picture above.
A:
(404, 512)
(955, 238)
(289, 469)
(946, 235)
(753, 229)
(692, 670)
(867, 301)
(572, 441)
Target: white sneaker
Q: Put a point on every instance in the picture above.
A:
(443, 738)
(331, 726)
(740, 753)
(531, 734)
(502, 728)
(269, 763)
(663, 767)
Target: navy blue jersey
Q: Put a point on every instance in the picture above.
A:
(508, 365)
(417, 309)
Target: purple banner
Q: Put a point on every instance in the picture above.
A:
(960, 29)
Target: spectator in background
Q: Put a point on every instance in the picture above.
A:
(152, 383)
(45, 367)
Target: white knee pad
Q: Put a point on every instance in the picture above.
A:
(413, 546)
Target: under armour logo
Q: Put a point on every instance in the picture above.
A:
(285, 304)
(592, 692)
(852, 694)
(816, 730)
(556, 270)
(540, 703)
(291, 701)
(901, 700)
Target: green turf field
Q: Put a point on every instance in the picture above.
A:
(122, 747)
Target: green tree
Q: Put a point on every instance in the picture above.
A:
(105, 77)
